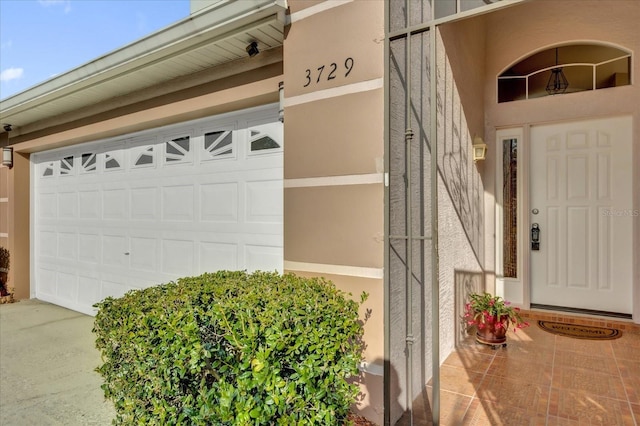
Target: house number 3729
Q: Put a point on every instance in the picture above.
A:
(330, 72)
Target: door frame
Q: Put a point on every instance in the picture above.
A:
(519, 291)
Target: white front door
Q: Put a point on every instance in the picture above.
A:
(581, 199)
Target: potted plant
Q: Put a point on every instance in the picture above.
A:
(4, 271)
(492, 317)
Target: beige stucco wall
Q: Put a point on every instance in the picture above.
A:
(333, 219)
(464, 42)
(14, 222)
(516, 32)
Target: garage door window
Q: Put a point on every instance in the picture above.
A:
(263, 139)
(48, 170)
(145, 158)
(66, 166)
(113, 160)
(177, 150)
(89, 163)
(218, 144)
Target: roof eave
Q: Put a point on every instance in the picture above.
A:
(206, 26)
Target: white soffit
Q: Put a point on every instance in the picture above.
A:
(213, 36)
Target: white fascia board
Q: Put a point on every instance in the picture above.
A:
(220, 21)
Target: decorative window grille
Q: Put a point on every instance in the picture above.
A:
(111, 162)
(145, 158)
(66, 166)
(177, 150)
(218, 144)
(89, 162)
(585, 66)
(260, 141)
(49, 170)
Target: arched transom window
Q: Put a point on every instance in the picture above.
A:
(565, 69)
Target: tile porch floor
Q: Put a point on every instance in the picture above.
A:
(541, 379)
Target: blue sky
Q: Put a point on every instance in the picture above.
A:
(42, 38)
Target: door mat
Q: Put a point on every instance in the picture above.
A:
(580, 331)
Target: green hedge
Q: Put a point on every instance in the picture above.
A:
(231, 348)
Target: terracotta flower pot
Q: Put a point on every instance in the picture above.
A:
(491, 335)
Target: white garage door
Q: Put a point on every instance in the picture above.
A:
(148, 208)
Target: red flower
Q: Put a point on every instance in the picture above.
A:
(484, 310)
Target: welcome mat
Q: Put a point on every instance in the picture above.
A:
(580, 331)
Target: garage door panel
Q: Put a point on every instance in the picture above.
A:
(68, 205)
(114, 286)
(215, 256)
(115, 204)
(144, 253)
(219, 202)
(46, 282)
(264, 202)
(177, 203)
(67, 245)
(67, 286)
(177, 257)
(145, 203)
(47, 243)
(114, 250)
(89, 291)
(89, 248)
(263, 258)
(48, 205)
(149, 208)
(89, 204)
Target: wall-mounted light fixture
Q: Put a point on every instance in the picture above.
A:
(281, 101)
(252, 49)
(7, 157)
(479, 149)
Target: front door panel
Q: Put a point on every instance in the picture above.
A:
(581, 199)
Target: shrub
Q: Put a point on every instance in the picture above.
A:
(231, 348)
(5, 259)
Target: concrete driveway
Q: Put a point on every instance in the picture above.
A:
(47, 362)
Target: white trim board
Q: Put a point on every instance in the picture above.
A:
(320, 268)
